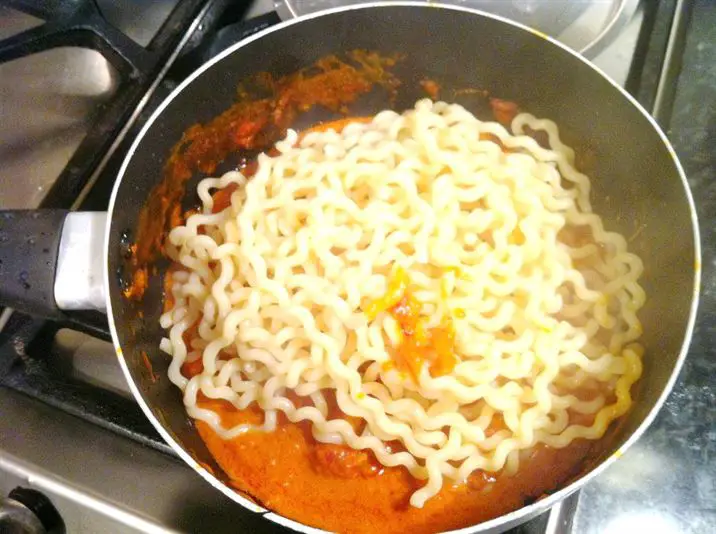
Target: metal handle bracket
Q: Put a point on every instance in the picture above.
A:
(79, 280)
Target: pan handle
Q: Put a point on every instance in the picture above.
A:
(52, 260)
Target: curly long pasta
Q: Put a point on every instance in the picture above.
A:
(277, 281)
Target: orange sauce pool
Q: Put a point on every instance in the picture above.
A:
(339, 489)
(336, 488)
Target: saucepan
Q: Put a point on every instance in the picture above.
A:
(53, 261)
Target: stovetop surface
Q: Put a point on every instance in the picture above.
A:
(103, 481)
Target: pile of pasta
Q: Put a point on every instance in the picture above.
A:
(544, 327)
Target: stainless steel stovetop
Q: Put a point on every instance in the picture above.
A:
(100, 477)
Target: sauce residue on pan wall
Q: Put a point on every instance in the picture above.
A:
(252, 123)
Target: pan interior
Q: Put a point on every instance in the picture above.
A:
(636, 182)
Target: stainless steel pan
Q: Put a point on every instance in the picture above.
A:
(638, 186)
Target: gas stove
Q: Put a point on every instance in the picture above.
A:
(74, 92)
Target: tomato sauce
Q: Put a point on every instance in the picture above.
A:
(504, 111)
(431, 88)
(419, 344)
(339, 489)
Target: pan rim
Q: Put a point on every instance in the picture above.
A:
(499, 523)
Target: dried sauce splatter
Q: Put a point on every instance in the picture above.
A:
(431, 88)
(504, 111)
(148, 367)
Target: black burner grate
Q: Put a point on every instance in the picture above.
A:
(81, 23)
